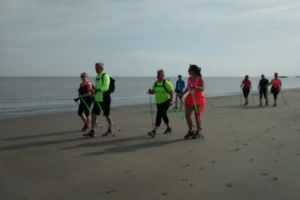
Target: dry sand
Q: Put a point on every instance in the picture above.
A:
(248, 153)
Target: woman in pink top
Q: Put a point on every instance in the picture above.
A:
(246, 86)
(275, 88)
(195, 101)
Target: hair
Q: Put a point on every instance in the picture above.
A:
(196, 69)
(99, 64)
(247, 76)
(276, 74)
(83, 74)
(160, 71)
(262, 75)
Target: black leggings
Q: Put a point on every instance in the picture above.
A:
(275, 93)
(83, 108)
(246, 92)
(162, 113)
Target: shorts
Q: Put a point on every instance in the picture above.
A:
(102, 107)
(201, 104)
(82, 108)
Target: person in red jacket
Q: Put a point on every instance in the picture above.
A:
(275, 88)
(86, 99)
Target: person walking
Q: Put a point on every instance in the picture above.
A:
(246, 87)
(102, 100)
(180, 85)
(276, 86)
(263, 89)
(194, 102)
(85, 96)
(163, 91)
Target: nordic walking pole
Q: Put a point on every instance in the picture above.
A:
(85, 104)
(113, 123)
(151, 109)
(196, 109)
(253, 97)
(283, 98)
(241, 96)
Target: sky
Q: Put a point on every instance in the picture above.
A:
(138, 37)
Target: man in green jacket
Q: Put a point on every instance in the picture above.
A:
(102, 100)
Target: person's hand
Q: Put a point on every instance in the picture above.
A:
(150, 91)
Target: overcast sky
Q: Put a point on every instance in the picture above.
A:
(137, 37)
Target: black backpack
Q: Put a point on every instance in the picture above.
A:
(112, 85)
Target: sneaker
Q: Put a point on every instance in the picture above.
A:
(274, 104)
(168, 130)
(84, 128)
(152, 133)
(91, 133)
(198, 135)
(189, 135)
(108, 132)
(267, 103)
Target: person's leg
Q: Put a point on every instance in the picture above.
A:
(176, 100)
(95, 112)
(181, 102)
(165, 108)
(188, 116)
(266, 96)
(275, 94)
(81, 110)
(260, 97)
(105, 105)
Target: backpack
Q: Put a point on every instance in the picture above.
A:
(164, 85)
(112, 84)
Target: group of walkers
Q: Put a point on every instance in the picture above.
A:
(95, 99)
(263, 88)
(194, 100)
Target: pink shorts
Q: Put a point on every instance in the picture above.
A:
(200, 103)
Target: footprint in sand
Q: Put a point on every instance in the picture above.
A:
(191, 185)
(184, 179)
(275, 179)
(187, 165)
(213, 162)
(276, 161)
(201, 168)
(127, 171)
(229, 185)
(264, 174)
(109, 191)
(273, 139)
(190, 151)
(164, 194)
(281, 145)
(298, 154)
(236, 149)
(245, 144)
(251, 160)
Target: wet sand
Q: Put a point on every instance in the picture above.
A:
(248, 153)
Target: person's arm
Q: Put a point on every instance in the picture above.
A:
(169, 86)
(105, 83)
(242, 84)
(201, 87)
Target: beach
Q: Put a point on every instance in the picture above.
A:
(248, 153)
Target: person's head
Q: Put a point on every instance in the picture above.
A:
(84, 76)
(262, 76)
(99, 67)
(179, 77)
(246, 77)
(194, 70)
(276, 75)
(160, 74)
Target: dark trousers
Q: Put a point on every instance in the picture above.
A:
(162, 113)
(275, 93)
(246, 92)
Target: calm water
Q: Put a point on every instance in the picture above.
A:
(31, 96)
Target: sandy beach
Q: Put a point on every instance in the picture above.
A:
(248, 153)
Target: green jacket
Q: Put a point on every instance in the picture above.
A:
(102, 85)
(162, 94)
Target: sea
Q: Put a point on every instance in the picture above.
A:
(28, 96)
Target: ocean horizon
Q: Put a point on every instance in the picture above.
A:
(28, 96)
